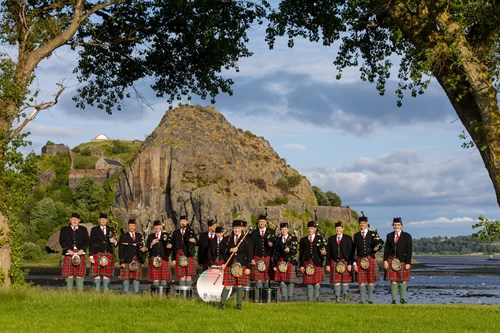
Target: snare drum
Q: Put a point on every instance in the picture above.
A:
(183, 291)
(269, 295)
(209, 285)
(248, 294)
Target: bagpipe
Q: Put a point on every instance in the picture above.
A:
(323, 244)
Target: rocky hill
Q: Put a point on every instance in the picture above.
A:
(196, 162)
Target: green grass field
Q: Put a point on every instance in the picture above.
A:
(35, 310)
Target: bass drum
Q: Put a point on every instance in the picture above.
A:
(209, 285)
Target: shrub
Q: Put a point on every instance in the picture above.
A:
(31, 251)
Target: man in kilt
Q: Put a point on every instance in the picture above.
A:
(285, 253)
(183, 250)
(397, 260)
(74, 240)
(204, 242)
(102, 245)
(339, 262)
(217, 248)
(129, 251)
(312, 255)
(263, 241)
(364, 263)
(159, 247)
(239, 252)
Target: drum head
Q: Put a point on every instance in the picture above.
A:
(261, 265)
(396, 265)
(365, 263)
(209, 285)
(309, 269)
(282, 267)
(103, 261)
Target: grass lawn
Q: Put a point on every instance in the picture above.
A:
(36, 310)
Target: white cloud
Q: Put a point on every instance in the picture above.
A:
(442, 221)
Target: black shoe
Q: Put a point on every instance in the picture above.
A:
(403, 301)
(220, 306)
(370, 302)
(393, 302)
(238, 307)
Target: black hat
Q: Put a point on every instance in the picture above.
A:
(103, 216)
(338, 224)
(183, 217)
(219, 229)
(363, 218)
(311, 224)
(157, 222)
(283, 225)
(76, 215)
(262, 217)
(131, 221)
(210, 222)
(397, 220)
(244, 223)
(237, 223)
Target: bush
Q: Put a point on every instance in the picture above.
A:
(31, 252)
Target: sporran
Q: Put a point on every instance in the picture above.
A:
(365, 263)
(183, 261)
(103, 261)
(261, 265)
(236, 270)
(340, 267)
(309, 269)
(282, 266)
(76, 260)
(133, 266)
(396, 265)
(156, 262)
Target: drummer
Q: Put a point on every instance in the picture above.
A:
(312, 252)
(364, 260)
(339, 262)
(262, 239)
(397, 259)
(285, 255)
(217, 248)
(239, 254)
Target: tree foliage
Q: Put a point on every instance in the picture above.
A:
(490, 229)
(327, 198)
(456, 41)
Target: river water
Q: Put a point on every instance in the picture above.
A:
(434, 280)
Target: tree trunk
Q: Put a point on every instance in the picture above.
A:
(5, 250)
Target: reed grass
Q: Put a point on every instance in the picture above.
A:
(38, 310)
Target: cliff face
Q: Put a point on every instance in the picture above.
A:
(195, 162)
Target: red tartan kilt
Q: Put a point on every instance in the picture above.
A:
(97, 270)
(126, 274)
(403, 275)
(255, 275)
(161, 273)
(189, 270)
(369, 275)
(290, 276)
(335, 277)
(230, 280)
(69, 270)
(317, 277)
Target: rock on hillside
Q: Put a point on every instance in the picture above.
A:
(195, 161)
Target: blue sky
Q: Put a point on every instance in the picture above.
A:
(341, 135)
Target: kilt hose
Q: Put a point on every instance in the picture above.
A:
(189, 270)
(161, 273)
(126, 274)
(369, 275)
(290, 276)
(342, 278)
(255, 275)
(401, 276)
(97, 270)
(68, 269)
(230, 280)
(315, 278)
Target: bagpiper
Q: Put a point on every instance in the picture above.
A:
(159, 248)
(398, 250)
(130, 251)
(183, 252)
(263, 247)
(364, 250)
(217, 248)
(102, 245)
(285, 257)
(339, 262)
(74, 240)
(312, 255)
